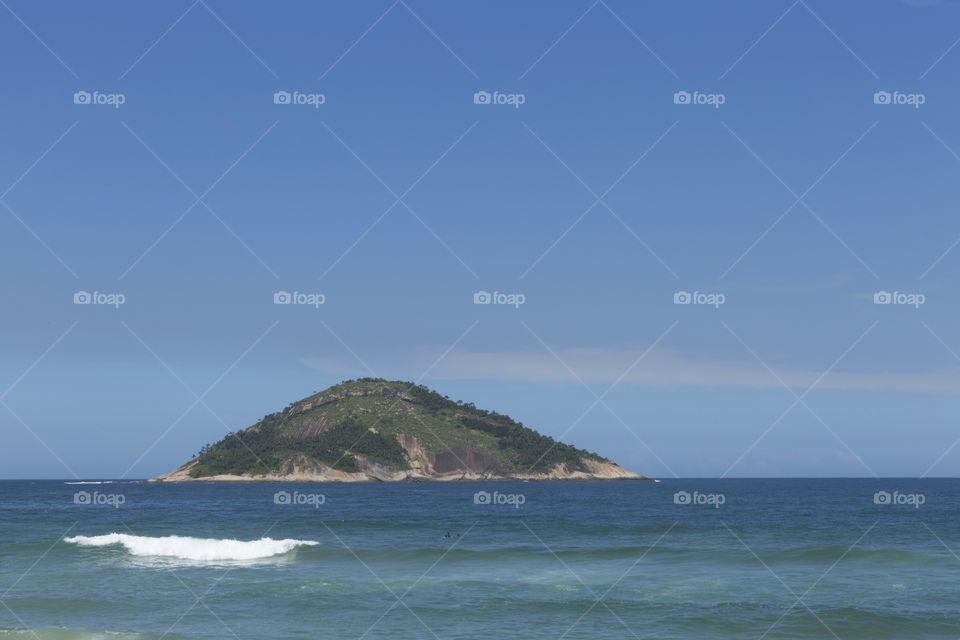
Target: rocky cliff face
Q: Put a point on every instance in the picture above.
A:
(307, 470)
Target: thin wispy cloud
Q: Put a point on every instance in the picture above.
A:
(606, 365)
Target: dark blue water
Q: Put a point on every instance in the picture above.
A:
(725, 559)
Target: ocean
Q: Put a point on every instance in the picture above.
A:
(699, 559)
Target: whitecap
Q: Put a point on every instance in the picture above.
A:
(195, 549)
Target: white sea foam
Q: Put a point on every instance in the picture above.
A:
(91, 482)
(196, 549)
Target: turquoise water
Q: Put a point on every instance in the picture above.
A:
(740, 559)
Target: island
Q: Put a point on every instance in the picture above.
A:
(372, 429)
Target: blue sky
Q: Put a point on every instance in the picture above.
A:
(597, 199)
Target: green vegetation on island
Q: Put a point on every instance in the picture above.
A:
(369, 418)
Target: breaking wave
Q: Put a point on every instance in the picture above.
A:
(196, 549)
